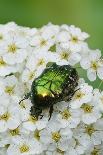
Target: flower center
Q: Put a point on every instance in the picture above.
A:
(12, 48)
(43, 43)
(9, 90)
(74, 39)
(79, 95)
(65, 55)
(31, 75)
(32, 119)
(56, 136)
(37, 134)
(65, 114)
(95, 152)
(94, 65)
(40, 62)
(5, 116)
(1, 37)
(14, 132)
(87, 108)
(24, 148)
(2, 62)
(89, 129)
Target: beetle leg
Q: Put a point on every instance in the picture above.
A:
(50, 112)
(25, 97)
(35, 111)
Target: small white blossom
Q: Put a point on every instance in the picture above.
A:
(82, 95)
(93, 64)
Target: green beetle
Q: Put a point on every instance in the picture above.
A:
(55, 84)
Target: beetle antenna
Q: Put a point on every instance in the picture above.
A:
(25, 97)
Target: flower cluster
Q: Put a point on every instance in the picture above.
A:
(76, 126)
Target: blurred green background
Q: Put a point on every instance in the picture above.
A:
(86, 14)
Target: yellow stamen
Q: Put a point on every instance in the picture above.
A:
(79, 95)
(12, 48)
(5, 116)
(14, 132)
(37, 134)
(2, 62)
(87, 108)
(32, 119)
(65, 55)
(56, 136)
(66, 114)
(89, 129)
(40, 62)
(9, 90)
(24, 148)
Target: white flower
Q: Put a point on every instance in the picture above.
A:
(24, 108)
(53, 134)
(4, 139)
(24, 145)
(93, 64)
(28, 76)
(39, 60)
(14, 49)
(44, 38)
(95, 150)
(66, 56)
(72, 38)
(94, 132)
(11, 86)
(6, 69)
(32, 123)
(77, 38)
(82, 95)
(67, 116)
(9, 115)
(90, 112)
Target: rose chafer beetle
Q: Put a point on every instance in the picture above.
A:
(55, 84)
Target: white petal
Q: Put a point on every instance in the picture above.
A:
(91, 74)
(85, 63)
(100, 73)
(3, 126)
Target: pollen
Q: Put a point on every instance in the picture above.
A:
(31, 75)
(12, 48)
(40, 62)
(64, 55)
(87, 108)
(94, 65)
(5, 116)
(79, 95)
(66, 114)
(2, 62)
(14, 132)
(24, 148)
(37, 134)
(95, 151)
(74, 39)
(43, 43)
(89, 129)
(9, 90)
(32, 119)
(56, 136)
